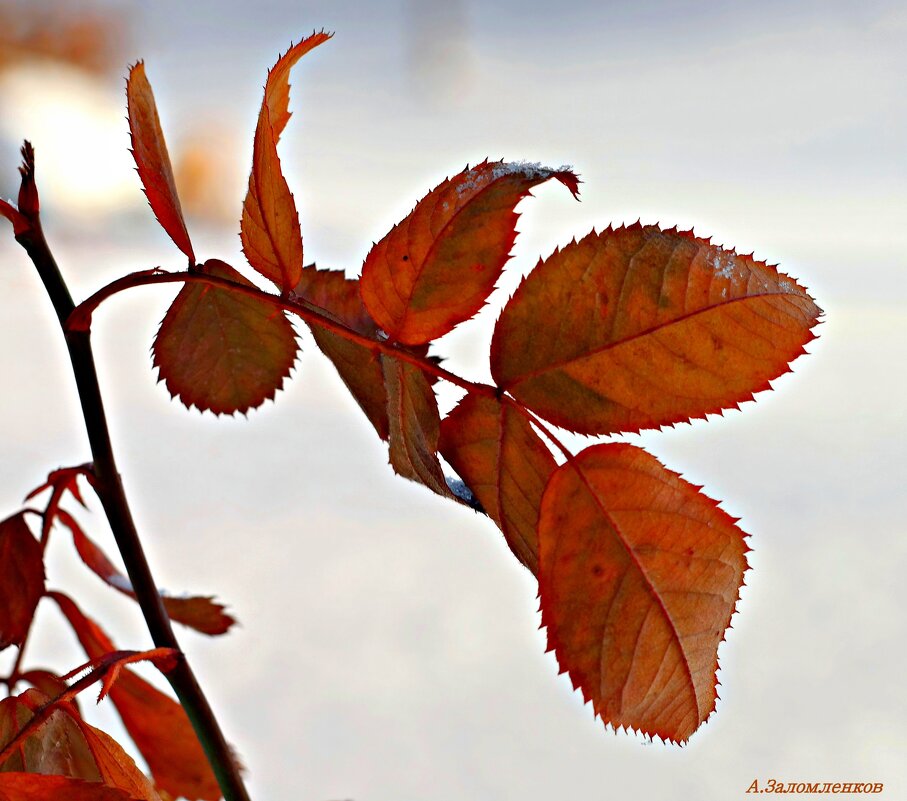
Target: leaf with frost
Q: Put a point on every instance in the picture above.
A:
(436, 268)
(637, 327)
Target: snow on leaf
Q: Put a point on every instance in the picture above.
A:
(437, 267)
(152, 160)
(639, 574)
(222, 351)
(638, 327)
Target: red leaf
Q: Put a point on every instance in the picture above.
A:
(359, 368)
(639, 575)
(152, 160)
(505, 464)
(157, 724)
(638, 327)
(21, 579)
(437, 267)
(59, 482)
(222, 351)
(199, 613)
(66, 745)
(414, 425)
(36, 787)
(20, 221)
(269, 231)
(22, 217)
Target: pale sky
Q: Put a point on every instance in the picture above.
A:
(389, 648)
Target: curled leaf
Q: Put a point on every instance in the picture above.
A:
(505, 464)
(222, 351)
(270, 234)
(639, 576)
(152, 160)
(637, 327)
(438, 266)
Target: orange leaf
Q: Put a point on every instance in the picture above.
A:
(437, 267)
(157, 724)
(269, 229)
(505, 464)
(222, 351)
(37, 787)
(414, 425)
(152, 160)
(359, 368)
(638, 327)
(66, 745)
(197, 612)
(639, 575)
(21, 579)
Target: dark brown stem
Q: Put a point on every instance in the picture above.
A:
(80, 320)
(109, 489)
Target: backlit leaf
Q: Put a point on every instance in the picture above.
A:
(21, 579)
(414, 425)
(222, 351)
(505, 464)
(270, 234)
(66, 745)
(437, 267)
(639, 575)
(637, 327)
(157, 724)
(152, 160)
(198, 612)
(36, 787)
(358, 367)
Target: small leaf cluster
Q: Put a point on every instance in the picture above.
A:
(626, 329)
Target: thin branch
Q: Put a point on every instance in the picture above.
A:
(80, 319)
(109, 489)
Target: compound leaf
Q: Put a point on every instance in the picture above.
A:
(639, 576)
(637, 327)
(437, 267)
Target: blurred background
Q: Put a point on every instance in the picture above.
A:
(389, 648)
